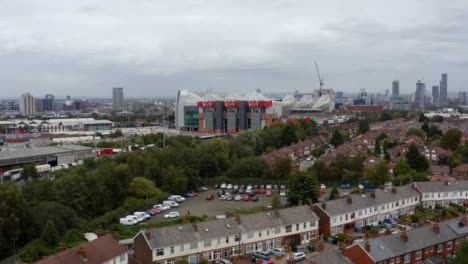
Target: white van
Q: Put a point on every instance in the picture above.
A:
(127, 221)
(135, 218)
(176, 198)
(171, 203)
(142, 214)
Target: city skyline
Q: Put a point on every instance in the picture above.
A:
(159, 48)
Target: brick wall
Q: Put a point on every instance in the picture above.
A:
(143, 252)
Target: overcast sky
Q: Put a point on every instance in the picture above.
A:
(155, 47)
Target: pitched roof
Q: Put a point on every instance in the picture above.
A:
(97, 251)
(186, 233)
(442, 186)
(390, 246)
(331, 256)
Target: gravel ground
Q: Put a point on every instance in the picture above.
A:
(200, 206)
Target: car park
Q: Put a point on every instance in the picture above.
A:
(235, 191)
(275, 187)
(161, 207)
(171, 215)
(298, 256)
(252, 194)
(278, 251)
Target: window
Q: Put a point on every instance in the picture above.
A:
(360, 213)
(407, 258)
(227, 240)
(426, 250)
(449, 245)
(182, 248)
(297, 227)
(194, 245)
(268, 232)
(122, 257)
(288, 228)
(418, 254)
(207, 243)
(237, 238)
(304, 225)
(334, 219)
(391, 261)
(172, 250)
(312, 223)
(353, 214)
(278, 230)
(439, 248)
(160, 252)
(260, 234)
(397, 260)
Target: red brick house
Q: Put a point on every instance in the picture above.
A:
(460, 172)
(429, 243)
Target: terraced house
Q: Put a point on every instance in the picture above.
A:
(339, 215)
(224, 238)
(443, 193)
(428, 244)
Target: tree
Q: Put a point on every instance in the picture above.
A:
(415, 160)
(282, 168)
(363, 126)
(288, 135)
(434, 131)
(141, 188)
(462, 253)
(451, 139)
(249, 167)
(422, 118)
(400, 168)
(415, 132)
(275, 201)
(377, 147)
(337, 138)
(90, 163)
(334, 194)
(425, 127)
(379, 174)
(50, 235)
(317, 152)
(302, 186)
(29, 171)
(386, 115)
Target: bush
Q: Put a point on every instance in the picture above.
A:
(374, 230)
(415, 218)
(340, 237)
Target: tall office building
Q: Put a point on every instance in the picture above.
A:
(27, 104)
(420, 94)
(435, 95)
(395, 89)
(117, 98)
(48, 103)
(443, 90)
(462, 98)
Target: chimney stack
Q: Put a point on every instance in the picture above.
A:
(324, 206)
(367, 246)
(82, 253)
(238, 219)
(463, 221)
(394, 189)
(372, 194)
(404, 236)
(116, 236)
(195, 227)
(349, 199)
(62, 247)
(148, 234)
(311, 204)
(436, 228)
(277, 213)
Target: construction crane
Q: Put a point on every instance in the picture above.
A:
(320, 78)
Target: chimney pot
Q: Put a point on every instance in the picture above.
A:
(116, 236)
(404, 236)
(367, 246)
(277, 213)
(195, 227)
(394, 189)
(238, 219)
(82, 253)
(148, 234)
(372, 194)
(463, 220)
(349, 199)
(436, 228)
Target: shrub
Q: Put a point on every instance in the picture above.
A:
(415, 218)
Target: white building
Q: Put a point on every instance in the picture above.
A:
(443, 193)
(27, 104)
(225, 238)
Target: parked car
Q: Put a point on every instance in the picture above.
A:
(257, 191)
(235, 191)
(238, 198)
(143, 214)
(323, 186)
(298, 256)
(137, 219)
(282, 192)
(229, 198)
(194, 193)
(223, 186)
(156, 211)
(127, 221)
(229, 186)
(268, 187)
(220, 192)
(187, 195)
(268, 193)
(236, 187)
(278, 251)
(202, 189)
(390, 222)
(345, 186)
(151, 213)
(263, 255)
(216, 186)
(176, 198)
(223, 261)
(209, 197)
(161, 207)
(171, 215)
(172, 204)
(275, 187)
(282, 187)
(246, 198)
(254, 199)
(262, 191)
(241, 191)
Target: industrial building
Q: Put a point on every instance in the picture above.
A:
(55, 125)
(54, 156)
